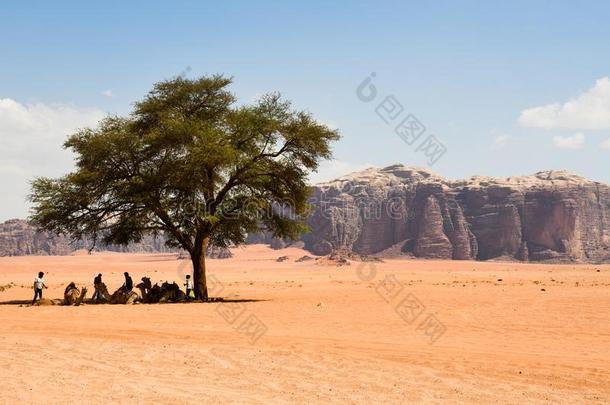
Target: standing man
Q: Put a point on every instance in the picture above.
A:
(128, 283)
(97, 282)
(189, 287)
(38, 286)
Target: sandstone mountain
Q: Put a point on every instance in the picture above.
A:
(548, 216)
(18, 238)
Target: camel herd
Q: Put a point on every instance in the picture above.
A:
(149, 294)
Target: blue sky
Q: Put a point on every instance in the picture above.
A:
(509, 88)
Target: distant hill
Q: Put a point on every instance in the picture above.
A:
(547, 216)
(401, 210)
(19, 238)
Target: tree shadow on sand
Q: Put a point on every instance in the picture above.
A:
(89, 302)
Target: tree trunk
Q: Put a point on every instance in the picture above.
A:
(199, 277)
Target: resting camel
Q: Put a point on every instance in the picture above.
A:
(72, 295)
(150, 294)
(153, 294)
(172, 293)
(102, 296)
(120, 296)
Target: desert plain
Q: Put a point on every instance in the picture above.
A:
(310, 332)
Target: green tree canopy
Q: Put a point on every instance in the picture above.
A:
(191, 164)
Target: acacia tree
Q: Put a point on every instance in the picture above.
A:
(190, 164)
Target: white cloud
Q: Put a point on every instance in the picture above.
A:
(501, 141)
(39, 117)
(605, 144)
(31, 138)
(108, 93)
(575, 141)
(589, 110)
(333, 169)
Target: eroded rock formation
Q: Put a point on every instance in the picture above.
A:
(20, 238)
(552, 215)
(548, 216)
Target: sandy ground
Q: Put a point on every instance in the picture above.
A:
(403, 331)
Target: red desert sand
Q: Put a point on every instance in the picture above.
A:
(310, 332)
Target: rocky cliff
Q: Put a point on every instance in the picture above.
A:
(20, 238)
(548, 216)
